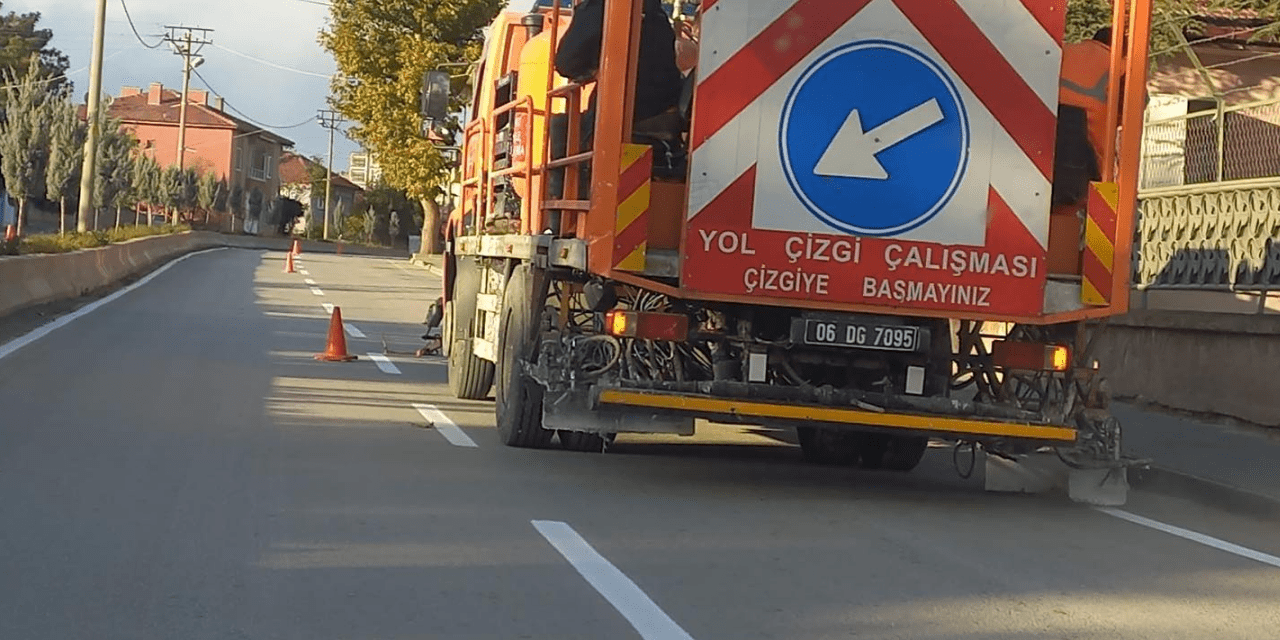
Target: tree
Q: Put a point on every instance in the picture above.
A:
(255, 204)
(172, 191)
(382, 49)
(147, 185)
(1170, 18)
(190, 197)
(221, 196)
(66, 156)
(208, 194)
(114, 166)
(236, 204)
(21, 44)
(24, 138)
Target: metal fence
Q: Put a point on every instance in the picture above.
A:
(1210, 199)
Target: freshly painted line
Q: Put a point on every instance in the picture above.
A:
(10, 347)
(317, 291)
(309, 281)
(1187, 534)
(383, 362)
(328, 308)
(457, 437)
(352, 330)
(644, 615)
(304, 272)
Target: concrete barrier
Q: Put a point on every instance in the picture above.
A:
(1215, 363)
(37, 279)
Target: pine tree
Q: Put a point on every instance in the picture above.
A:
(66, 156)
(24, 138)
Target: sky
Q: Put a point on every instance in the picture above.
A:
(281, 32)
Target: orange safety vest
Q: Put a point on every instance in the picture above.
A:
(1086, 73)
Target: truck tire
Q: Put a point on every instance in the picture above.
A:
(873, 449)
(470, 377)
(519, 399)
(824, 446)
(582, 441)
(905, 452)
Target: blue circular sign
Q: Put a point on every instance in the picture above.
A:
(874, 138)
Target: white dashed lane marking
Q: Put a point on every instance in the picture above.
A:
(384, 363)
(457, 437)
(651, 622)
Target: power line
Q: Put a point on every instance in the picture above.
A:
(135, 29)
(246, 116)
(272, 64)
(60, 76)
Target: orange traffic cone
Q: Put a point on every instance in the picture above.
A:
(297, 247)
(288, 263)
(336, 350)
(10, 233)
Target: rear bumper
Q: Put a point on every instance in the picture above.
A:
(770, 412)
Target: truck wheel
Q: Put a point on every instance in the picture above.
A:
(905, 452)
(582, 441)
(519, 399)
(824, 446)
(873, 449)
(470, 377)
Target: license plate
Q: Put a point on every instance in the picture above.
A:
(835, 333)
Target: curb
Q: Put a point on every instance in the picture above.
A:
(1211, 493)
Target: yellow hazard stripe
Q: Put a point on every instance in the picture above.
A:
(1099, 243)
(1110, 192)
(635, 261)
(1089, 294)
(635, 205)
(751, 409)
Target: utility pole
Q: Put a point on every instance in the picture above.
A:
(90, 164)
(330, 120)
(187, 43)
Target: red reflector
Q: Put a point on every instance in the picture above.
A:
(671, 327)
(1030, 356)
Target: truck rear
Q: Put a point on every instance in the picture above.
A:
(848, 225)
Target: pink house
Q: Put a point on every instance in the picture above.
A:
(242, 153)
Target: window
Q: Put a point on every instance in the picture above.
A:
(236, 153)
(262, 165)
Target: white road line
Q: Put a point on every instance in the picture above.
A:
(304, 272)
(457, 437)
(9, 348)
(353, 331)
(328, 308)
(644, 615)
(316, 291)
(1187, 534)
(309, 281)
(384, 363)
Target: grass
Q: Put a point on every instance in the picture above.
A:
(54, 243)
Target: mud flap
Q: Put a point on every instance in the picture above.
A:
(1046, 473)
(568, 411)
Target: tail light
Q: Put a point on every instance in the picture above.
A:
(1031, 356)
(671, 327)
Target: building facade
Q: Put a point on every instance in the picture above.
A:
(296, 175)
(243, 154)
(363, 169)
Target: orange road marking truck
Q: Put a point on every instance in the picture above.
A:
(851, 218)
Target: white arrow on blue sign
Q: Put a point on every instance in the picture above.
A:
(874, 138)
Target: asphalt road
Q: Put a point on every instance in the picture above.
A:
(175, 465)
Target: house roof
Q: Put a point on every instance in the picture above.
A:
(138, 109)
(294, 170)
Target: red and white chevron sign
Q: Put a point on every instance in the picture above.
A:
(894, 153)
